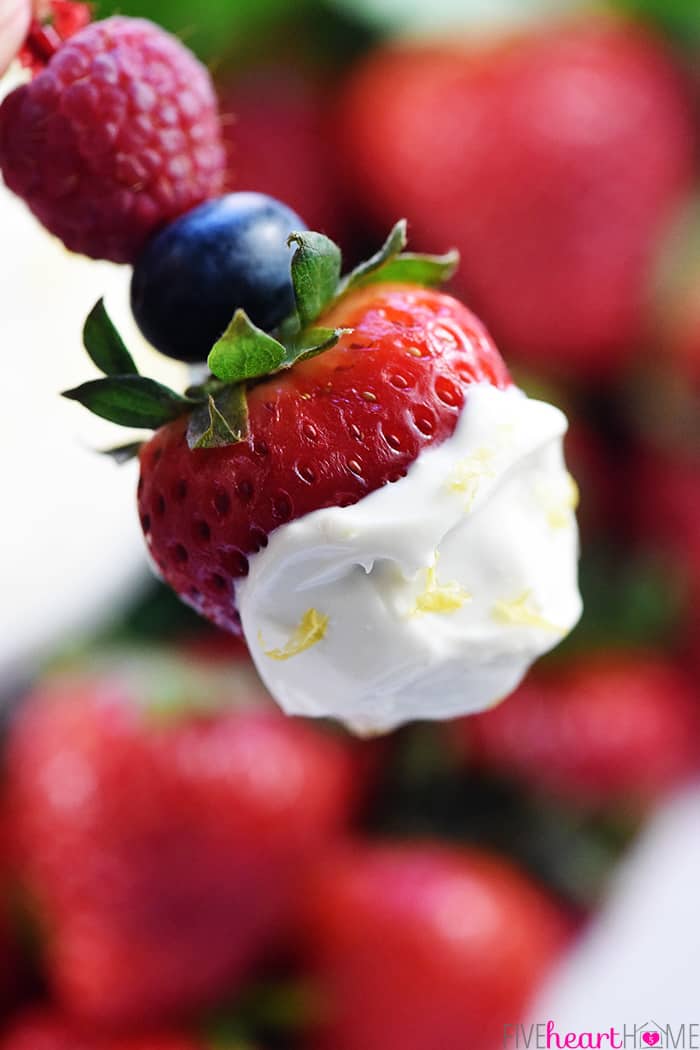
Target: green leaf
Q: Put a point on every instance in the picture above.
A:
(427, 270)
(132, 401)
(315, 274)
(221, 422)
(123, 453)
(395, 243)
(201, 391)
(312, 342)
(104, 344)
(627, 602)
(679, 18)
(244, 351)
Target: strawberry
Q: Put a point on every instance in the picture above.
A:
(162, 833)
(380, 372)
(682, 336)
(58, 21)
(327, 433)
(12, 968)
(668, 387)
(45, 1029)
(607, 730)
(666, 516)
(425, 946)
(552, 160)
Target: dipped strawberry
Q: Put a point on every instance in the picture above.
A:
(422, 946)
(363, 489)
(164, 820)
(553, 160)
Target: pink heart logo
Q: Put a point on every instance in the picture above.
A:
(651, 1038)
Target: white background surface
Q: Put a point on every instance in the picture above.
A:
(70, 544)
(640, 959)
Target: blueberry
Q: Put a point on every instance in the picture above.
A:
(227, 253)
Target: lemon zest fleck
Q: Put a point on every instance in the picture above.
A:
(311, 629)
(559, 510)
(439, 597)
(469, 472)
(505, 434)
(520, 612)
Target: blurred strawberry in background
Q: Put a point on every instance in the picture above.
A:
(616, 730)
(425, 946)
(676, 304)
(682, 334)
(593, 470)
(48, 1030)
(276, 130)
(163, 824)
(12, 970)
(667, 505)
(552, 160)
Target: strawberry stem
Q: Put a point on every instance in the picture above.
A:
(41, 44)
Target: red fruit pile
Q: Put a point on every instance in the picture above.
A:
(191, 836)
(174, 837)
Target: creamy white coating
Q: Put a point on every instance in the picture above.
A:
(431, 596)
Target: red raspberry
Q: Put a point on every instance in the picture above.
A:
(116, 137)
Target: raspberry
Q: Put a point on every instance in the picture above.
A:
(116, 137)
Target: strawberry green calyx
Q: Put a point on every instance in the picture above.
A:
(244, 353)
(391, 263)
(131, 400)
(316, 268)
(223, 421)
